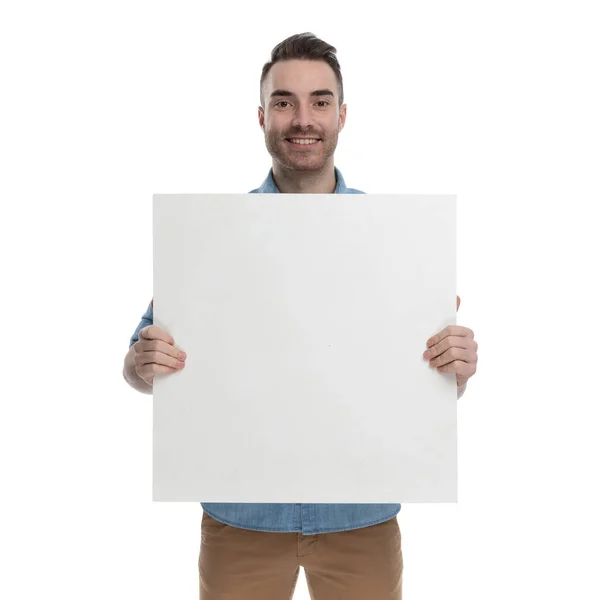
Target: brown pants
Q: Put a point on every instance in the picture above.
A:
(242, 564)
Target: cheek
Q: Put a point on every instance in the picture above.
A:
(331, 125)
(276, 123)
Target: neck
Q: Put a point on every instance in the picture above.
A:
(289, 181)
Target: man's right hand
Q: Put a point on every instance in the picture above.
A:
(155, 354)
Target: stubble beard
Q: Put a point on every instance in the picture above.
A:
(299, 160)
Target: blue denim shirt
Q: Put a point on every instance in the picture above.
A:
(306, 518)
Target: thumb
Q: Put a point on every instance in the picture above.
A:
(457, 303)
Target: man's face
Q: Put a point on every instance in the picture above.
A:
(301, 101)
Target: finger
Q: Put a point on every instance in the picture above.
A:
(456, 366)
(159, 346)
(152, 332)
(456, 330)
(147, 372)
(459, 367)
(449, 355)
(448, 342)
(157, 357)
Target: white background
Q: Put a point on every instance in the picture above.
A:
(106, 103)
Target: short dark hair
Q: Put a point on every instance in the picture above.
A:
(306, 46)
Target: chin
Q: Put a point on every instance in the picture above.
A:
(312, 165)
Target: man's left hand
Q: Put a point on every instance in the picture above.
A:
(453, 350)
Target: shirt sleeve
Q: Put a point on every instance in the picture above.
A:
(147, 319)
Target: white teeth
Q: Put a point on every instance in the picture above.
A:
(304, 141)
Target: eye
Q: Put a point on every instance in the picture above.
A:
(323, 102)
(281, 102)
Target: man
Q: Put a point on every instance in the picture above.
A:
(255, 551)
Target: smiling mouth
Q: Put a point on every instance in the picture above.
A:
(301, 142)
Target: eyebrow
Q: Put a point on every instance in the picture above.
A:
(324, 92)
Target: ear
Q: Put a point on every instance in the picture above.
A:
(342, 118)
(457, 303)
(261, 117)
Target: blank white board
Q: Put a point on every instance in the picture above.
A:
(304, 318)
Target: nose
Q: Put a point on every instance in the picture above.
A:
(301, 118)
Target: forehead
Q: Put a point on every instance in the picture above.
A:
(300, 76)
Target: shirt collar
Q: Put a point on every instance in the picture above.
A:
(268, 186)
